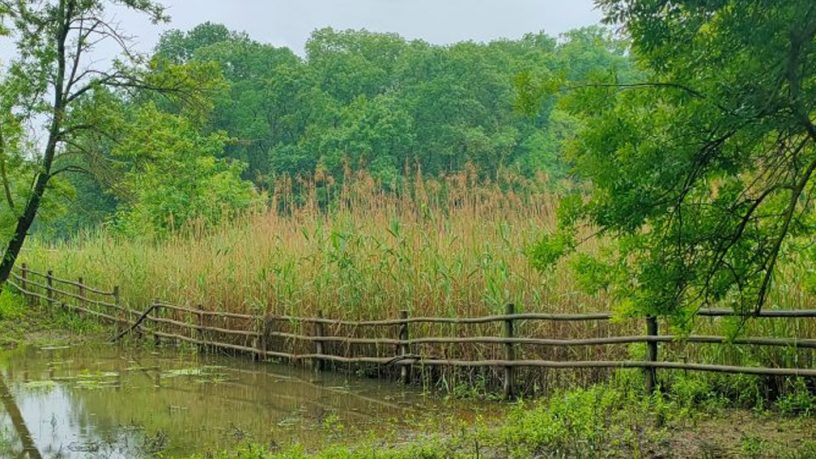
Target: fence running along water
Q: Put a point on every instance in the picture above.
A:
(262, 335)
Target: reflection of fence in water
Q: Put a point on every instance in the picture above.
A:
(262, 335)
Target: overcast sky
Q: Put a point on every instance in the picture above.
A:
(289, 22)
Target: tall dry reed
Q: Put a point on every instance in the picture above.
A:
(446, 247)
(452, 247)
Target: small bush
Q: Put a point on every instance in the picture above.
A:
(798, 400)
(580, 423)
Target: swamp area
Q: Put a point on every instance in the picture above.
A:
(98, 401)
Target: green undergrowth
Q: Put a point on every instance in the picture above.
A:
(36, 325)
(689, 419)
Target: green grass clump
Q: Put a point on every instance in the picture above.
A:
(12, 306)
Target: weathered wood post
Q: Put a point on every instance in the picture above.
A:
(24, 284)
(138, 330)
(81, 293)
(259, 340)
(509, 351)
(264, 338)
(404, 347)
(155, 314)
(319, 364)
(651, 354)
(121, 324)
(49, 281)
(200, 328)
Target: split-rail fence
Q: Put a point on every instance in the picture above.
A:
(254, 334)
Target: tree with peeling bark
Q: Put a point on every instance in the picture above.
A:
(702, 173)
(57, 77)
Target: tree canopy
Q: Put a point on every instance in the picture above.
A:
(355, 101)
(702, 169)
(378, 102)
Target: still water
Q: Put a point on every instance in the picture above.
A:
(108, 402)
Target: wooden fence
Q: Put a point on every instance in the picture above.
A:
(256, 334)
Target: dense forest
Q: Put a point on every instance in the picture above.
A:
(357, 102)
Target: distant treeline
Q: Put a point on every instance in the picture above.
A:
(374, 101)
(357, 101)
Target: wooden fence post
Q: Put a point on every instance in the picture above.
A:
(263, 338)
(320, 364)
(121, 324)
(24, 284)
(49, 281)
(81, 293)
(155, 313)
(651, 354)
(200, 328)
(258, 340)
(139, 330)
(404, 348)
(509, 352)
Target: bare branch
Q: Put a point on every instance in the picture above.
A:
(71, 168)
(644, 85)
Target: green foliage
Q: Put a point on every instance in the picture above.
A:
(551, 248)
(701, 168)
(69, 173)
(173, 176)
(12, 306)
(17, 171)
(569, 424)
(798, 401)
(376, 101)
(357, 101)
(591, 274)
(394, 108)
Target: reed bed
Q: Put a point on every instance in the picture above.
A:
(439, 247)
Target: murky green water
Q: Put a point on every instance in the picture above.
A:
(103, 401)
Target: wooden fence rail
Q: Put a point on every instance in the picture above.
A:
(253, 333)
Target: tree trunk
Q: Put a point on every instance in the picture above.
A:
(64, 16)
(21, 231)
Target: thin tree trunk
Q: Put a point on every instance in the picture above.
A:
(64, 17)
(21, 231)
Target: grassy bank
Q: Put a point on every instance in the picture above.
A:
(27, 325)
(600, 421)
(449, 247)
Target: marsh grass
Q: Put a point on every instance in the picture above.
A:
(445, 247)
(600, 421)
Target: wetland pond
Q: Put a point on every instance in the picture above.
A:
(111, 402)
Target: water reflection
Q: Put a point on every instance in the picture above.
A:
(18, 423)
(108, 402)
